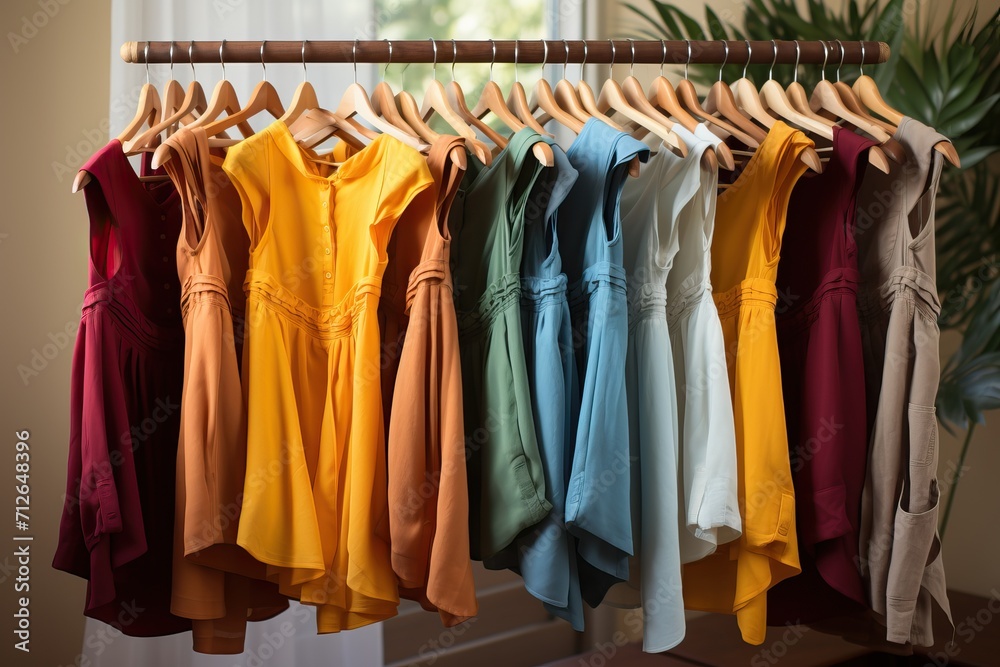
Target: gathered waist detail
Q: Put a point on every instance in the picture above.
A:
(435, 271)
(131, 323)
(333, 322)
(646, 300)
(204, 288)
(904, 280)
(537, 292)
(683, 301)
(752, 291)
(497, 298)
(596, 276)
(838, 281)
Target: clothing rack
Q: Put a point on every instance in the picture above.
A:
(447, 51)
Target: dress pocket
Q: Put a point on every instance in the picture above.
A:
(773, 526)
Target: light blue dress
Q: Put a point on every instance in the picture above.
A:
(651, 210)
(598, 497)
(545, 555)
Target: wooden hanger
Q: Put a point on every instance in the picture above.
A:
(543, 98)
(518, 101)
(263, 98)
(721, 99)
(686, 100)
(147, 111)
(662, 97)
(827, 98)
(487, 100)
(305, 95)
(613, 97)
(149, 107)
(436, 101)
(491, 100)
(581, 101)
(774, 95)
(224, 99)
(384, 101)
(868, 92)
(410, 111)
(193, 101)
(317, 125)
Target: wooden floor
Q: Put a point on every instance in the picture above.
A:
(713, 640)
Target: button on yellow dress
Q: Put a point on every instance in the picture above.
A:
(314, 506)
(750, 221)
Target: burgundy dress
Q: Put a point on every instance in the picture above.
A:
(116, 529)
(823, 383)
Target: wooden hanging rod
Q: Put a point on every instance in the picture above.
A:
(528, 51)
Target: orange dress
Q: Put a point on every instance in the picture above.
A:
(745, 249)
(428, 492)
(314, 505)
(210, 583)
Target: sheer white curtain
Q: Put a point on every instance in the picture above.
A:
(289, 640)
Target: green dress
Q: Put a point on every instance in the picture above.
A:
(506, 482)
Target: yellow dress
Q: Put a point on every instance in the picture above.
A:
(750, 221)
(314, 505)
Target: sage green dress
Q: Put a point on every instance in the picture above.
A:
(506, 481)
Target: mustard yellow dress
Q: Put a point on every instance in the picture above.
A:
(314, 505)
(745, 250)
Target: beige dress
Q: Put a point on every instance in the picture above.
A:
(900, 550)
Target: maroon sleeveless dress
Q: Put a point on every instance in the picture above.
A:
(823, 383)
(116, 529)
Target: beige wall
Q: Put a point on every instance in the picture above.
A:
(55, 105)
(55, 97)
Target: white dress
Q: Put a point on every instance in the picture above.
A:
(653, 210)
(709, 507)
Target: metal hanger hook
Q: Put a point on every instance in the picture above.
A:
(263, 67)
(841, 63)
(749, 55)
(402, 76)
(861, 65)
(545, 56)
(305, 72)
(454, 57)
(222, 60)
(663, 60)
(515, 59)
(631, 65)
(725, 58)
(354, 57)
(194, 75)
(171, 60)
(611, 66)
(565, 62)
(826, 54)
(687, 63)
(493, 57)
(389, 61)
(145, 56)
(584, 63)
(770, 72)
(434, 68)
(795, 74)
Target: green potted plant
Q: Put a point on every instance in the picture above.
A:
(949, 79)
